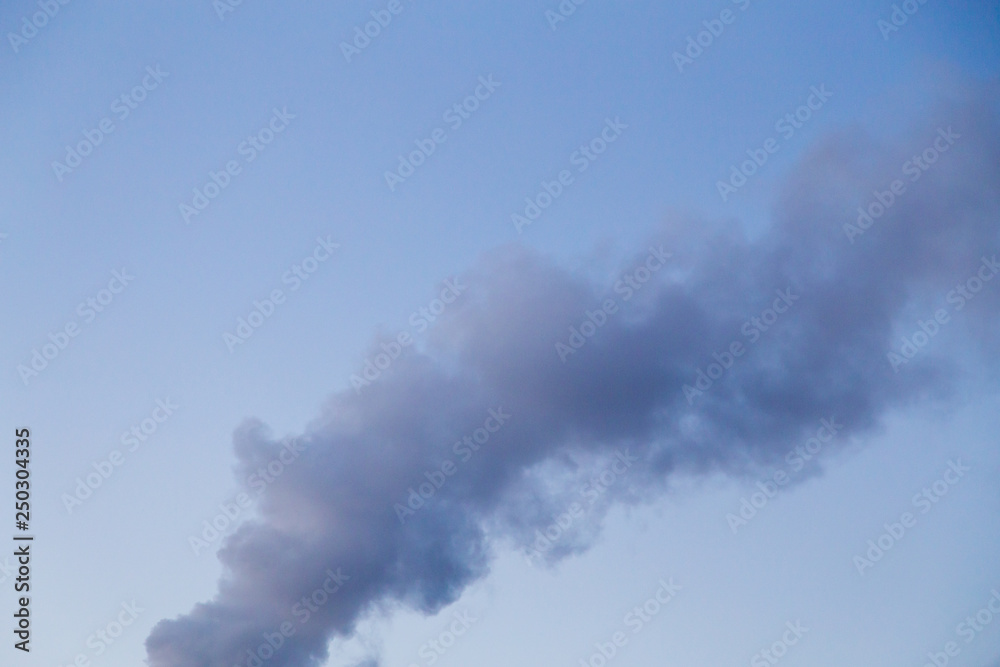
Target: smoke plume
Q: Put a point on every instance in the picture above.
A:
(344, 512)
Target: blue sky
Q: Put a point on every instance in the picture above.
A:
(318, 190)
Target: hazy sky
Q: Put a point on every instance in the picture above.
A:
(491, 270)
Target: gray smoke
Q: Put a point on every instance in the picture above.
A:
(495, 348)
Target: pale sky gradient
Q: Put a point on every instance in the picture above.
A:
(162, 336)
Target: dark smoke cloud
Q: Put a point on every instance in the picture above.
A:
(495, 348)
